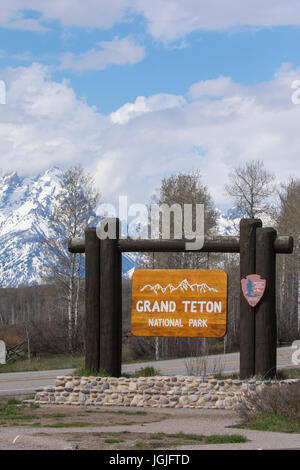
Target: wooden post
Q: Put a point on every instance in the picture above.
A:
(111, 305)
(247, 319)
(265, 312)
(92, 299)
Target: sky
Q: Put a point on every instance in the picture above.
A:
(137, 90)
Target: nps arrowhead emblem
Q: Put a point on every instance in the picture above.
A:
(253, 288)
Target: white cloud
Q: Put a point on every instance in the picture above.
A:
(221, 86)
(143, 105)
(44, 124)
(115, 52)
(213, 135)
(167, 20)
(87, 13)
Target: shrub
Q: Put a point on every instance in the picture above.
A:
(146, 372)
(281, 399)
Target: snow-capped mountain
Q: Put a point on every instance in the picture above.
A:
(183, 286)
(25, 206)
(228, 222)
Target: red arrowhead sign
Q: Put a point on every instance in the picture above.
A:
(253, 288)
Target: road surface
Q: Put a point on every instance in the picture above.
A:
(25, 383)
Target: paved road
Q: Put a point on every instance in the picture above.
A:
(25, 383)
(225, 364)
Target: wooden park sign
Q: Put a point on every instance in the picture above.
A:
(179, 302)
(257, 247)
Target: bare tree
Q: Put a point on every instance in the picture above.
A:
(287, 217)
(185, 188)
(73, 212)
(182, 188)
(250, 187)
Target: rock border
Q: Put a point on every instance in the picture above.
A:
(154, 392)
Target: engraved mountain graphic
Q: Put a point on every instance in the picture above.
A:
(183, 286)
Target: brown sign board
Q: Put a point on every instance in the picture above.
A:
(179, 303)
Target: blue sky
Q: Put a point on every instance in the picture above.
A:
(249, 57)
(197, 67)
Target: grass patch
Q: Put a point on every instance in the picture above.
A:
(118, 412)
(33, 406)
(288, 374)
(190, 437)
(12, 410)
(82, 372)
(225, 439)
(58, 361)
(157, 437)
(54, 415)
(224, 377)
(181, 438)
(141, 445)
(146, 372)
(179, 435)
(7, 411)
(13, 401)
(113, 441)
(271, 422)
(68, 425)
(19, 417)
(214, 439)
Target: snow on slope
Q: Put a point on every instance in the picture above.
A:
(228, 223)
(25, 205)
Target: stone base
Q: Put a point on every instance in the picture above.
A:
(155, 392)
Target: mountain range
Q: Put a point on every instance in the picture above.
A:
(25, 206)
